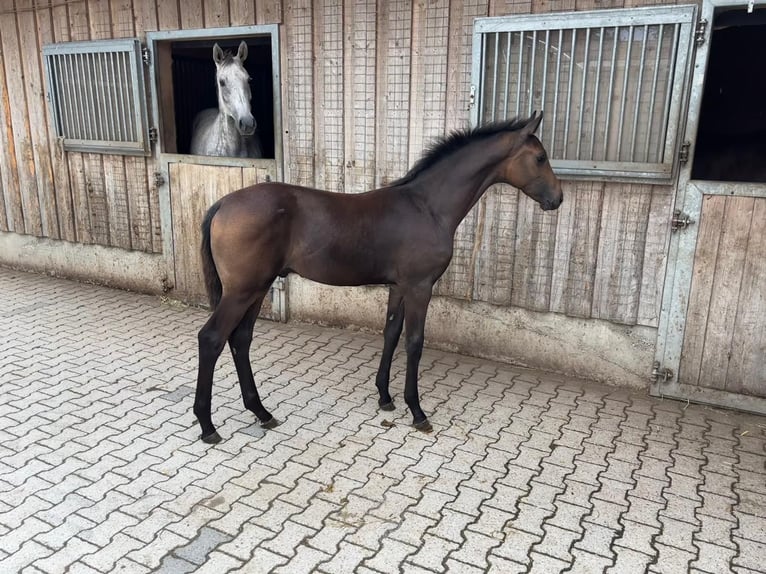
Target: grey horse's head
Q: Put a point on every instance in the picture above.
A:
(233, 84)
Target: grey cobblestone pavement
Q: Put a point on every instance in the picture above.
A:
(101, 469)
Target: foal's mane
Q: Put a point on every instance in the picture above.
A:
(455, 141)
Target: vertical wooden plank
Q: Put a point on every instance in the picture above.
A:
(46, 26)
(297, 46)
(145, 16)
(22, 156)
(545, 6)
(393, 71)
(41, 167)
(80, 198)
(359, 94)
(624, 221)
(506, 7)
(655, 256)
(495, 245)
(737, 219)
(241, 12)
(465, 271)
(328, 130)
(191, 14)
(430, 30)
(216, 13)
(122, 19)
(268, 11)
(168, 17)
(116, 194)
(137, 173)
(587, 202)
(13, 213)
(533, 261)
(705, 258)
(566, 224)
(747, 369)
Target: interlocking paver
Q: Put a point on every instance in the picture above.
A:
(101, 469)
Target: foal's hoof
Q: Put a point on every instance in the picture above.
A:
(423, 426)
(389, 406)
(212, 438)
(269, 424)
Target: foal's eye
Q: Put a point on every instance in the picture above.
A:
(541, 158)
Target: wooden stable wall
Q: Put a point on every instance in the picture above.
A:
(366, 85)
(87, 198)
(369, 84)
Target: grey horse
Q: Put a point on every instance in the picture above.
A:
(230, 129)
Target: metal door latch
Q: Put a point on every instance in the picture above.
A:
(680, 221)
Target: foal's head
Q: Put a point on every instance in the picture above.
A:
(233, 84)
(527, 167)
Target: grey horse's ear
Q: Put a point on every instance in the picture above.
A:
(217, 54)
(242, 52)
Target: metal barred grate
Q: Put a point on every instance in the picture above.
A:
(611, 84)
(97, 96)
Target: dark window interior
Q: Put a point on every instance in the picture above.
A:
(731, 141)
(194, 85)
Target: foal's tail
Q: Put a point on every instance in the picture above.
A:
(212, 280)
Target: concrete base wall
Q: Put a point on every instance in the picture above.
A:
(584, 348)
(132, 270)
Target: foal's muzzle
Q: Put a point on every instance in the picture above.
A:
(551, 204)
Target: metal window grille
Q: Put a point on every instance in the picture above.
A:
(97, 96)
(611, 84)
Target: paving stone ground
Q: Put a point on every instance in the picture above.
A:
(101, 470)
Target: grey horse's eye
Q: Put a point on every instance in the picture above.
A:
(222, 83)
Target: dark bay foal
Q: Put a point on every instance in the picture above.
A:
(400, 235)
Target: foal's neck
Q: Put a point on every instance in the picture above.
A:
(454, 185)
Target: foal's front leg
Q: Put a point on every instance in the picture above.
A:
(391, 334)
(415, 308)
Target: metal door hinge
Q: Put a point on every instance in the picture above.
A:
(472, 97)
(680, 221)
(146, 56)
(660, 374)
(159, 179)
(683, 153)
(699, 32)
(153, 134)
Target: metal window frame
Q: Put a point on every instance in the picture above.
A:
(684, 16)
(136, 109)
(270, 30)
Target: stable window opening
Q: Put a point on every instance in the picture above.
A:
(186, 84)
(731, 138)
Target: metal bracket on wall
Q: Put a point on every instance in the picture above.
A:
(661, 374)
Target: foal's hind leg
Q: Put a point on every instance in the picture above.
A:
(391, 334)
(239, 342)
(212, 338)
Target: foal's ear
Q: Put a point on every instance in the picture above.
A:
(242, 52)
(532, 123)
(217, 54)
